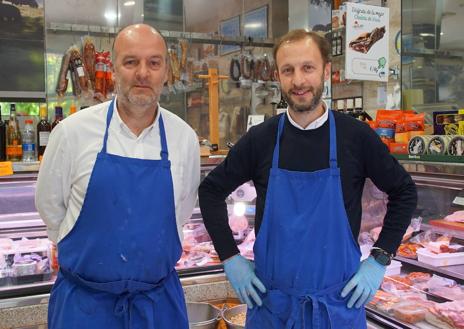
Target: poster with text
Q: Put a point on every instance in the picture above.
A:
(366, 42)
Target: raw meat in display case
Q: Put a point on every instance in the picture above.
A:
(24, 261)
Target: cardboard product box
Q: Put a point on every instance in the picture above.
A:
(445, 122)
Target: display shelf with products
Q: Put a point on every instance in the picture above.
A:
(454, 271)
(431, 158)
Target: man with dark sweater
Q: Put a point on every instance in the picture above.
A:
(308, 166)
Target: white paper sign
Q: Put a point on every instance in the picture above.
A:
(254, 119)
(366, 42)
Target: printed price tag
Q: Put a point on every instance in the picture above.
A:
(6, 168)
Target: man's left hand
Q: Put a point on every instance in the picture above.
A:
(365, 282)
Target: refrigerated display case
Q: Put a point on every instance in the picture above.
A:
(411, 288)
(28, 259)
(199, 256)
(427, 289)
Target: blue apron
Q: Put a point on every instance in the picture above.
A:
(305, 252)
(117, 263)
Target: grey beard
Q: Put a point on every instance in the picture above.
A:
(139, 101)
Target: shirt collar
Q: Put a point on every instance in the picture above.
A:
(125, 129)
(316, 123)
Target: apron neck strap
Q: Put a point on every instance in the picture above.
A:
(333, 141)
(109, 115)
(164, 145)
(275, 156)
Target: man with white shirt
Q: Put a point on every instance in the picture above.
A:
(116, 183)
(308, 166)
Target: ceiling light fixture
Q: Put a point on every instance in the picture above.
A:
(111, 15)
(129, 3)
(253, 25)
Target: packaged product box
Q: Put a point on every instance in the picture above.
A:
(445, 122)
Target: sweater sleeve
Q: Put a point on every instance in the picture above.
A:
(390, 177)
(223, 180)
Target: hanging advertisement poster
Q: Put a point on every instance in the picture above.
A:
(366, 42)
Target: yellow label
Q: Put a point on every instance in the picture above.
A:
(6, 168)
(461, 122)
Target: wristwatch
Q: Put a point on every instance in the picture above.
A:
(381, 256)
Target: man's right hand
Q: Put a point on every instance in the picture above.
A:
(241, 275)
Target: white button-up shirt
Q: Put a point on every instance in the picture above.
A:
(316, 123)
(72, 150)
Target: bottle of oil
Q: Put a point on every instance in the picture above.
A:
(14, 145)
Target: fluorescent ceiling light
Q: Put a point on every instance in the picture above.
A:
(253, 25)
(129, 3)
(427, 34)
(111, 15)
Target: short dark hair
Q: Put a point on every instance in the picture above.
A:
(301, 34)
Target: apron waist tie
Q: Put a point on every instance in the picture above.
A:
(316, 302)
(126, 291)
(316, 298)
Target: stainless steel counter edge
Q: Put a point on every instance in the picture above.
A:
(32, 310)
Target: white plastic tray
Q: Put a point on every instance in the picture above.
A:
(444, 259)
(394, 268)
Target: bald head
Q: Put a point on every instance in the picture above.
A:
(137, 34)
(140, 66)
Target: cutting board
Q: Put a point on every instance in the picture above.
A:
(450, 225)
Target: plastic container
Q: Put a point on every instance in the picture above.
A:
(444, 259)
(438, 145)
(394, 268)
(409, 312)
(456, 145)
(28, 142)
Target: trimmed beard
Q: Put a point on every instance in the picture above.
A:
(315, 101)
(142, 101)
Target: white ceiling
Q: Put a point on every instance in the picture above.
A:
(93, 12)
(106, 12)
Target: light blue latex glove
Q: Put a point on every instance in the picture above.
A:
(366, 281)
(241, 275)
